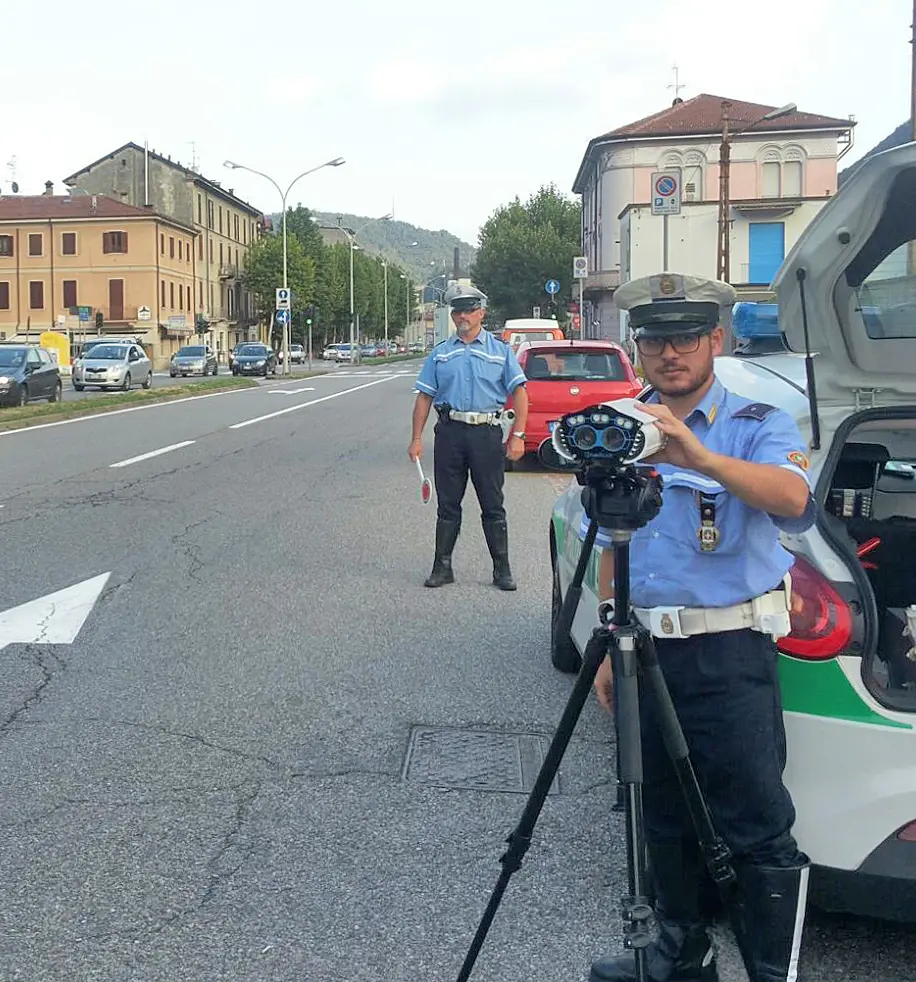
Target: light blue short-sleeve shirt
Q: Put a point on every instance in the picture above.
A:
(667, 565)
(472, 377)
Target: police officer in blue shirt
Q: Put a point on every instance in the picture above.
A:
(709, 580)
(468, 379)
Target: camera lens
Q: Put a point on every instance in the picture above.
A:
(585, 437)
(614, 440)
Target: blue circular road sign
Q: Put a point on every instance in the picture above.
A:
(552, 287)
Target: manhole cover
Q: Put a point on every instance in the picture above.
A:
(476, 760)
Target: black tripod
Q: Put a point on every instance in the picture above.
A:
(621, 499)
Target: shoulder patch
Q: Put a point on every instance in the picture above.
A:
(755, 410)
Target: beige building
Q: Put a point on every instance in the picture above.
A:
(134, 267)
(782, 172)
(226, 226)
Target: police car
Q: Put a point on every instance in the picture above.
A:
(847, 373)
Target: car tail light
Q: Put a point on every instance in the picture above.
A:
(820, 617)
(908, 833)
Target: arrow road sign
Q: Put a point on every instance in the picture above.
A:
(552, 287)
(283, 298)
(54, 619)
(282, 317)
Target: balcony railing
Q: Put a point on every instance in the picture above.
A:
(228, 271)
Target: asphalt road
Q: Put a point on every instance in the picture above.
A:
(162, 379)
(270, 754)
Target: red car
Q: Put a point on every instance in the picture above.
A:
(567, 375)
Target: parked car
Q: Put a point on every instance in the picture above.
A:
(848, 668)
(113, 366)
(254, 358)
(194, 359)
(567, 375)
(28, 372)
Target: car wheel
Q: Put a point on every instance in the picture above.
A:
(563, 653)
(148, 384)
(125, 385)
(23, 395)
(78, 387)
(171, 374)
(58, 392)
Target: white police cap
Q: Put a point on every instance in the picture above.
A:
(460, 297)
(675, 302)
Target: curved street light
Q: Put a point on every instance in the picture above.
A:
(336, 162)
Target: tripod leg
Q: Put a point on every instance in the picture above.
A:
(635, 907)
(520, 839)
(716, 853)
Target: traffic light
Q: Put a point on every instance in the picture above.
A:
(309, 315)
(99, 320)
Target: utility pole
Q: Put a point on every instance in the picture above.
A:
(911, 248)
(723, 252)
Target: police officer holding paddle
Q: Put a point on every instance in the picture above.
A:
(467, 379)
(709, 581)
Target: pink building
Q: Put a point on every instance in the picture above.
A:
(782, 171)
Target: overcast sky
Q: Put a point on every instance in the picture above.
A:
(446, 111)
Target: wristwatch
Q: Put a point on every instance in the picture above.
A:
(519, 433)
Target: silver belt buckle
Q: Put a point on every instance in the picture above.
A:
(665, 622)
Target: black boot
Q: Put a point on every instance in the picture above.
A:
(446, 536)
(769, 918)
(683, 951)
(497, 536)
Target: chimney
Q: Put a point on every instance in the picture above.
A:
(93, 205)
(49, 189)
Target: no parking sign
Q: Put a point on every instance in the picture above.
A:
(666, 192)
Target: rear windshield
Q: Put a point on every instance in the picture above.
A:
(516, 339)
(575, 366)
(192, 351)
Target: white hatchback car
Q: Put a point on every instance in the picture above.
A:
(113, 366)
(847, 295)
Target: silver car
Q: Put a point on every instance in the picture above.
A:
(113, 366)
(193, 359)
(847, 296)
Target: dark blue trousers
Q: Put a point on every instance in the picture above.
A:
(726, 692)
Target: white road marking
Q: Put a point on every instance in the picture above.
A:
(305, 405)
(52, 619)
(152, 453)
(290, 392)
(119, 412)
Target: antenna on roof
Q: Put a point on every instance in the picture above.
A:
(677, 85)
(11, 167)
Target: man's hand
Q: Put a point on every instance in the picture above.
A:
(683, 449)
(415, 450)
(515, 448)
(604, 685)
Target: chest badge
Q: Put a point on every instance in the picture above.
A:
(709, 538)
(667, 624)
(574, 390)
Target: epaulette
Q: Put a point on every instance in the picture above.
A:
(755, 410)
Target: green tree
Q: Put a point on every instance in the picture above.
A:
(264, 273)
(301, 223)
(521, 246)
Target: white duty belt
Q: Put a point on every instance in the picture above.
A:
(768, 614)
(476, 419)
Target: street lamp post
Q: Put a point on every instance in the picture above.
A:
(336, 162)
(351, 238)
(385, 266)
(406, 280)
(723, 251)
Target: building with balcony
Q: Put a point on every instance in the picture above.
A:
(59, 254)
(781, 173)
(226, 226)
